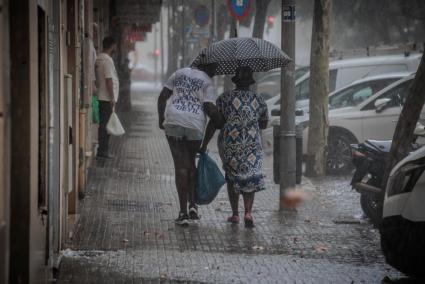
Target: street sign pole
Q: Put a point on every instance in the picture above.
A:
(287, 159)
(162, 44)
(213, 23)
(183, 39)
(155, 33)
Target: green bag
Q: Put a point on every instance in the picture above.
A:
(95, 109)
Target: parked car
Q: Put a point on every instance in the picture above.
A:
(403, 223)
(352, 94)
(268, 85)
(344, 72)
(349, 95)
(373, 118)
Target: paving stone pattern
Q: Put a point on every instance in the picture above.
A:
(126, 233)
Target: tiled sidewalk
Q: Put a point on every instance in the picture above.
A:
(126, 232)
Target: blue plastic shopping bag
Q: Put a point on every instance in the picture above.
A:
(209, 180)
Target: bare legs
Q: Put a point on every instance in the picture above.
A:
(248, 199)
(184, 153)
(233, 198)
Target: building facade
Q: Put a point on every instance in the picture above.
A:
(47, 138)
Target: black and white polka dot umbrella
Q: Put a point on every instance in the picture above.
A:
(232, 53)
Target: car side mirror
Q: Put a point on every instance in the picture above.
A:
(381, 104)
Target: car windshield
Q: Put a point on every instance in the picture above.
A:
(358, 93)
(274, 76)
(301, 71)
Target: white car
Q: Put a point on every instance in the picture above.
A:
(374, 118)
(351, 95)
(268, 84)
(344, 72)
(403, 225)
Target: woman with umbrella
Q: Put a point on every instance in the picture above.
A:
(245, 113)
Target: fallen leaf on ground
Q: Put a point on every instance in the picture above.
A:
(258, 247)
(321, 248)
(163, 276)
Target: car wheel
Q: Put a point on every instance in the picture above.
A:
(339, 154)
(371, 208)
(403, 245)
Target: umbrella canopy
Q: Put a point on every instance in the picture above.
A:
(232, 53)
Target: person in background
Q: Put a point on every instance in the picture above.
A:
(239, 142)
(187, 97)
(108, 87)
(93, 58)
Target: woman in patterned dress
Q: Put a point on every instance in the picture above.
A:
(239, 142)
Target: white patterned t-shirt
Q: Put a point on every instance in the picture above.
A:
(191, 88)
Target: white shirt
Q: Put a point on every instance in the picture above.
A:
(105, 69)
(92, 59)
(191, 88)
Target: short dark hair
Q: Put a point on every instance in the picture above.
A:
(108, 42)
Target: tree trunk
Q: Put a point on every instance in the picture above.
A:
(319, 89)
(260, 17)
(403, 135)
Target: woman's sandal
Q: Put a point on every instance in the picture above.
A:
(249, 221)
(234, 219)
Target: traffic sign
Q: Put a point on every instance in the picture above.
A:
(202, 15)
(289, 13)
(239, 9)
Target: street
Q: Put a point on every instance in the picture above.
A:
(126, 234)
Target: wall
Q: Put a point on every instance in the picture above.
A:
(34, 134)
(63, 128)
(4, 141)
(27, 231)
(54, 134)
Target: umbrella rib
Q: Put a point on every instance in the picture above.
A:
(259, 50)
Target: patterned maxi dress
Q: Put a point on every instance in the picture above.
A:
(239, 141)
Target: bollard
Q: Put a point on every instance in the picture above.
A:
(298, 149)
(276, 177)
(299, 153)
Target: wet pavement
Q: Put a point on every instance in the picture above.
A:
(126, 232)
